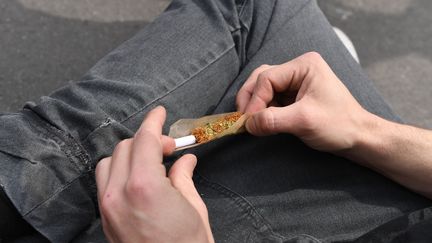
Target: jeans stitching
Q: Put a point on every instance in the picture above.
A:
(176, 87)
(8, 153)
(310, 237)
(242, 203)
(267, 29)
(242, 7)
(154, 100)
(73, 151)
(285, 23)
(67, 143)
(56, 192)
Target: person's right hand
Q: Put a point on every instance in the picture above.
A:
(305, 98)
(139, 201)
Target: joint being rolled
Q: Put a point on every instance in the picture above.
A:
(193, 132)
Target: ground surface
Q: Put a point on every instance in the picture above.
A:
(46, 43)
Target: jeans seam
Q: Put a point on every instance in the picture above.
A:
(267, 29)
(176, 87)
(243, 204)
(310, 237)
(56, 192)
(285, 23)
(241, 9)
(71, 148)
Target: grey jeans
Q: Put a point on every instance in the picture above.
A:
(192, 60)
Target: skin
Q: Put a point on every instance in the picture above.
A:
(305, 98)
(139, 202)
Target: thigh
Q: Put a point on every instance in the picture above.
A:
(280, 187)
(185, 61)
(298, 27)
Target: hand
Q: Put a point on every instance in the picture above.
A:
(138, 202)
(305, 98)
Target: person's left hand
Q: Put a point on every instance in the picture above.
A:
(139, 202)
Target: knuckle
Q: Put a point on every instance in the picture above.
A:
(264, 66)
(265, 75)
(134, 186)
(312, 60)
(313, 56)
(261, 69)
(140, 187)
(264, 89)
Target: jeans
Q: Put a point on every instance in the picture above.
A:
(193, 59)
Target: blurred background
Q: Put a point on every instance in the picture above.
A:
(46, 43)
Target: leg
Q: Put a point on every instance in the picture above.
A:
(95, 125)
(185, 61)
(11, 223)
(281, 188)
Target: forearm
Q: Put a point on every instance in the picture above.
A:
(402, 153)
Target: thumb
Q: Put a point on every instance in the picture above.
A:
(181, 174)
(272, 120)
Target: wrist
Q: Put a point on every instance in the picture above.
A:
(399, 152)
(372, 134)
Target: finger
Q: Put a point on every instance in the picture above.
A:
(287, 77)
(102, 178)
(120, 165)
(184, 166)
(262, 95)
(154, 121)
(245, 93)
(273, 120)
(147, 148)
(181, 174)
(102, 175)
(181, 178)
(168, 145)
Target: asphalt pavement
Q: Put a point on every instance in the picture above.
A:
(46, 43)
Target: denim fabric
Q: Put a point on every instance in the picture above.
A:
(192, 60)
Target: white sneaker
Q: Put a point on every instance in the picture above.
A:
(347, 43)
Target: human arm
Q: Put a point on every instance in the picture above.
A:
(305, 98)
(401, 152)
(139, 202)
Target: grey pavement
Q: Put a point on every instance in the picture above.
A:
(46, 43)
(394, 42)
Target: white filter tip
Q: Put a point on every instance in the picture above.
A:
(185, 141)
